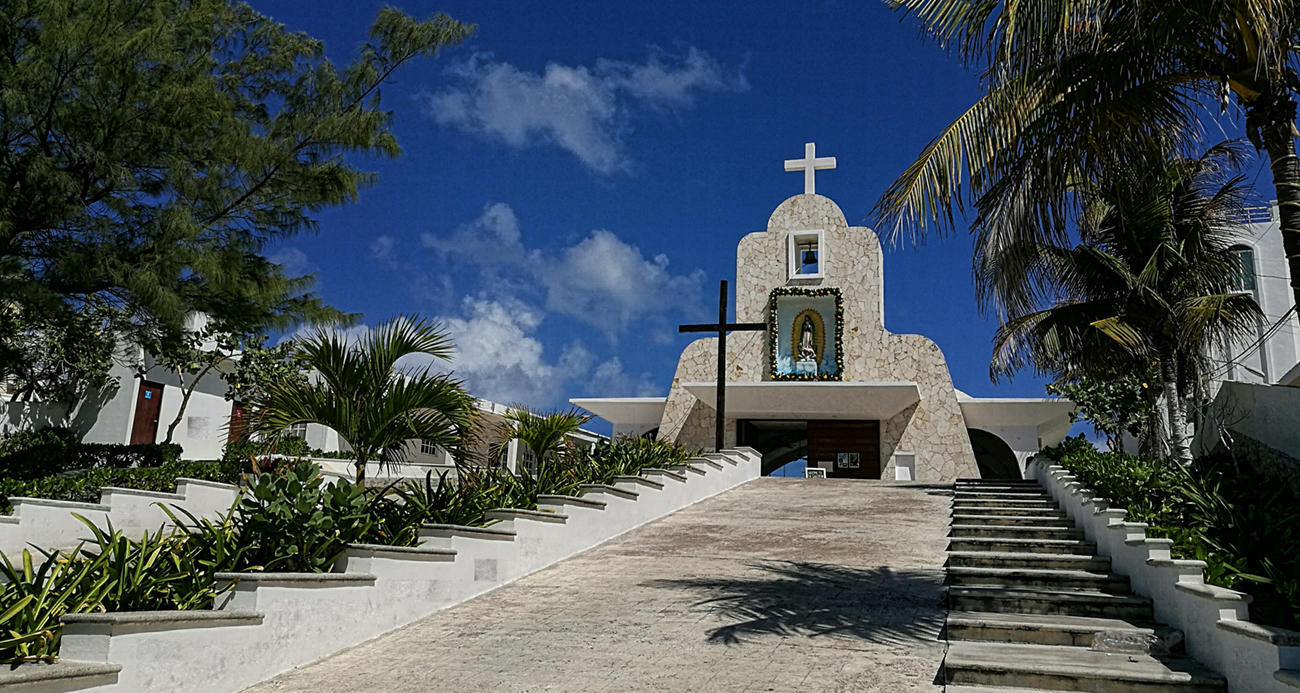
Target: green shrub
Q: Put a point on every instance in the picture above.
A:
(334, 454)
(34, 595)
(1247, 533)
(29, 454)
(296, 523)
(51, 451)
(440, 503)
(244, 450)
(85, 486)
(109, 456)
(284, 522)
(160, 571)
(626, 457)
(480, 489)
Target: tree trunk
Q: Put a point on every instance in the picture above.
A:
(180, 413)
(1275, 118)
(1179, 446)
(185, 398)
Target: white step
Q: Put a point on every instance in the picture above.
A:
(1042, 629)
(1074, 668)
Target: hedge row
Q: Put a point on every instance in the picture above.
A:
(85, 486)
(51, 451)
(1246, 531)
(291, 521)
(291, 446)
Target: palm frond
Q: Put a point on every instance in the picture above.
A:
(360, 391)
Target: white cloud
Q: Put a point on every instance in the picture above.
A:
(610, 380)
(665, 81)
(497, 355)
(607, 282)
(500, 358)
(492, 238)
(292, 260)
(583, 110)
(382, 247)
(601, 280)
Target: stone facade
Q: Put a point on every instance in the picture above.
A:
(933, 429)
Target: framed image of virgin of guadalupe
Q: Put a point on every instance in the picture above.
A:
(805, 333)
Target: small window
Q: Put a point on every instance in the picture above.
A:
(806, 258)
(298, 430)
(528, 460)
(427, 447)
(1244, 274)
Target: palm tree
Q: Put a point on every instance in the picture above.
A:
(545, 435)
(1150, 283)
(1068, 81)
(359, 390)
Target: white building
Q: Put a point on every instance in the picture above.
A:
(148, 397)
(1255, 383)
(1271, 355)
(137, 409)
(812, 373)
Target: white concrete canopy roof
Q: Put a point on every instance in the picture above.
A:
(811, 400)
(624, 411)
(981, 412)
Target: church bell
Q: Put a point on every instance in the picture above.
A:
(809, 257)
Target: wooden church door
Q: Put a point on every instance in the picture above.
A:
(847, 449)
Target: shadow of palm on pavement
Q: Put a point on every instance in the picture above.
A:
(795, 598)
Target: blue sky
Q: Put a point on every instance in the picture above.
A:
(575, 179)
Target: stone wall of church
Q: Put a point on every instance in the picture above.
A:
(933, 429)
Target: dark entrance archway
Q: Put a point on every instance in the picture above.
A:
(993, 456)
(848, 449)
(780, 442)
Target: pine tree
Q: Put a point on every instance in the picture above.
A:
(150, 150)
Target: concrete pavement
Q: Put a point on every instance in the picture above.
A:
(778, 585)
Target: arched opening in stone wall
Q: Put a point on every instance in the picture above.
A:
(995, 459)
(780, 442)
(844, 448)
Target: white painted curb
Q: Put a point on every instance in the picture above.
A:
(1215, 621)
(270, 623)
(49, 524)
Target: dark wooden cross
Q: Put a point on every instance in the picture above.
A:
(721, 327)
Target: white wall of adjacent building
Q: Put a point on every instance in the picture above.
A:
(1255, 383)
(1272, 350)
(108, 416)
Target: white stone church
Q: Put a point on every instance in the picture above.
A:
(821, 379)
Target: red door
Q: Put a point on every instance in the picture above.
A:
(148, 405)
(238, 430)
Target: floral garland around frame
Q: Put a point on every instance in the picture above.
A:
(772, 337)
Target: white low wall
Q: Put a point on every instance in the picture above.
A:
(375, 473)
(49, 524)
(270, 623)
(1215, 621)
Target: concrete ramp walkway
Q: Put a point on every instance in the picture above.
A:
(778, 585)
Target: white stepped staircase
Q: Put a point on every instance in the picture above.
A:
(1028, 595)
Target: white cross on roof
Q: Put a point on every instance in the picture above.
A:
(810, 164)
